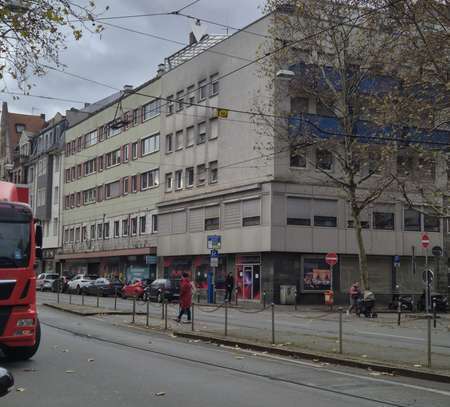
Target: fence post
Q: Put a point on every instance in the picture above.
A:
(192, 317)
(115, 299)
(429, 340)
(82, 298)
(165, 314)
(399, 312)
(226, 317)
(57, 296)
(273, 323)
(162, 310)
(434, 314)
(340, 330)
(147, 313)
(134, 310)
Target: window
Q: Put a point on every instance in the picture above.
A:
(364, 219)
(112, 190)
(134, 151)
(72, 201)
(79, 170)
(251, 215)
(142, 224)
(180, 100)
(134, 223)
(201, 174)
(125, 183)
(383, 217)
(213, 172)
(79, 143)
(20, 128)
(297, 160)
(191, 94)
(298, 211)
(169, 181)
(116, 228)
(324, 160)
(91, 139)
(92, 232)
(299, 105)
(169, 147)
(78, 198)
(89, 196)
(151, 109)
(134, 183)
(150, 144)
(405, 164)
(431, 223)
(106, 230)
(56, 196)
(135, 117)
(202, 90)
(154, 223)
(125, 226)
(179, 179)
(67, 202)
(179, 140)
(190, 132)
(115, 130)
(189, 176)
(169, 105)
(125, 153)
(113, 158)
(100, 231)
(83, 233)
(214, 79)
(212, 217)
(55, 226)
(325, 213)
(100, 163)
(213, 128)
(412, 220)
(150, 179)
(72, 235)
(201, 138)
(66, 235)
(77, 234)
(90, 167)
(100, 193)
(67, 175)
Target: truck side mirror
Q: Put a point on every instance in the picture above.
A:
(38, 236)
(6, 381)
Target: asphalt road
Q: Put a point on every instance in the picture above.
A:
(378, 338)
(87, 361)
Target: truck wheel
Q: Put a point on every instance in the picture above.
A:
(24, 353)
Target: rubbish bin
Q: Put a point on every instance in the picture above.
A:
(288, 294)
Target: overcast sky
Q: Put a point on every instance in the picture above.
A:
(118, 57)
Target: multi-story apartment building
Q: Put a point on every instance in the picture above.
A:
(111, 186)
(277, 217)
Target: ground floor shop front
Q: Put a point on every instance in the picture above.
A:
(269, 275)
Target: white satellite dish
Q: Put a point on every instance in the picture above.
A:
(199, 30)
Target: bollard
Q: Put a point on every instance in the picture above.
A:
(264, 299)
(165, 314)
(98, 299)
(134, 310)
(115, 299)
(162, 310)
(429, 341)
(198, 297)
(82, 298)
(296, 300)
(147, 314)
(273, 323)
(70, 298)
(226, 318)
(192, 317)
(434, 314)
(399, 312)
(57, 296)
(340, 330)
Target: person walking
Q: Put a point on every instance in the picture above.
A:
(185, 297)
(354, 293)
(229, 285)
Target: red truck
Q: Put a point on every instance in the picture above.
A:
(20, 246)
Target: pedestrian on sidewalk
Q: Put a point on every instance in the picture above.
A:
(355, 293)
(229, 285)
(185, 297)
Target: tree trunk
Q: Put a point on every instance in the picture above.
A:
(362, 256)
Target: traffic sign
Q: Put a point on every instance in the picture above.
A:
(397, 261)
(214, 242)
(428, 276)
(425, 241)
(331, 259)
(214, 253)
(214, 262)
(437, 251)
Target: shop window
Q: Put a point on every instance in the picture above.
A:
(251, 212)
(431, 223)
(412, 220)
(383, 217)
(325, 213)
(298, 211)
(317, 275)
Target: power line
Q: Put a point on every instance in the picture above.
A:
(42, 97)
(188, 5)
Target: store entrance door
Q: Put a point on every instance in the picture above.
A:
(248, 281)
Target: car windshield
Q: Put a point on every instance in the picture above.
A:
(14, 244)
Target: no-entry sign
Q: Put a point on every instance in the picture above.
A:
(331, 259)
(425, 241)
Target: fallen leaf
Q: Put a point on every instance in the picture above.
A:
(20, 389)
(173, 336)
(90, 360)
(363, 356)
(70, 371)
(315, 360)
(374, 374)
(417, 365)
(196, 341)
(159, 394)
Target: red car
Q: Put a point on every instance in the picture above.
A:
(135, 289)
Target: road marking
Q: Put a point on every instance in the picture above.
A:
(391, 336)
(337, 372)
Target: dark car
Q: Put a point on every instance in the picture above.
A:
(103, 287)
(163, 288)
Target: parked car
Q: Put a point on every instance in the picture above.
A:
(6, 381)
(60, 285)
(45, 281)
(79, 282)
(163, 288)
(134, 290)
(103, 287)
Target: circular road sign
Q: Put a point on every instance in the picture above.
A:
(331, 259)
(437, 251)
(425, 241)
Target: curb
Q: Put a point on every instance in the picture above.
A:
(88, 313)
(323, 357)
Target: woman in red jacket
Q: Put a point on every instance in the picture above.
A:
(185, 297)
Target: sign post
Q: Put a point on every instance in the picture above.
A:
(331, 259)
(425, 242)
(214, 243)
